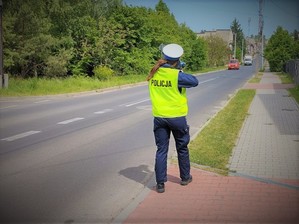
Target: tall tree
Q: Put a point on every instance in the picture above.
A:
(27, 23)
(237, 30)
(280, 48)
(73, 37)
(162, 7)
(296, 44)
(218, 52)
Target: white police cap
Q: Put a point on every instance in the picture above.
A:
(172, 52)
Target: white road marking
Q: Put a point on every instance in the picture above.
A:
(71, 120)
(22, 135)
(134, 103)
(103, 111)
(208, 80)
(42, 101)
(8, 107)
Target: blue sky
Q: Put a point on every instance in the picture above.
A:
(219, 14)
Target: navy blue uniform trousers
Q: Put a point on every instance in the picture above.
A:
(180, 131)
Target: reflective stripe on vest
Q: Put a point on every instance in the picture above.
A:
(167, 100)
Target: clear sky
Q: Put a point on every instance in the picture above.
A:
(209, 15)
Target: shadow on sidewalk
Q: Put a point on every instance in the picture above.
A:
(173, 179)
(282, 110)
(141, 174)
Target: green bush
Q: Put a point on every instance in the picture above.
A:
(103, 72)
(279, 50)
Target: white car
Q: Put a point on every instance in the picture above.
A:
(247, 61)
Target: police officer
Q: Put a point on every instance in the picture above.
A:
(167, 87)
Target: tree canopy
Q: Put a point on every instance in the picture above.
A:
(58, 38)
(237, 30)
(280, 48)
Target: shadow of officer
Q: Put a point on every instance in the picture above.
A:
(140, 174)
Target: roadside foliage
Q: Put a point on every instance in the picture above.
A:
(281, 48)
(62, 38)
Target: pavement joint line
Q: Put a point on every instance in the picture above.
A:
(265, 180)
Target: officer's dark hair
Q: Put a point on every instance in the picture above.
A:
(158, 64)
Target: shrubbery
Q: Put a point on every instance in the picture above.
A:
(73, 38)
(281, 48)
(102, 72)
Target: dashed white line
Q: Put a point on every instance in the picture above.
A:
(28, 133)
(8, 107)
(22, 135)
(137, 102)
(208, 80)
(71, 120)
(42, 101)
(103, 111)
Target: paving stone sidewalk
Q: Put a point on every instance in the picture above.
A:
(264, 187)
(268, 146)
(212, 198)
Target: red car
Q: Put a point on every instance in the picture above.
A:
(233, 64)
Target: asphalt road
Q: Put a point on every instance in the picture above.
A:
(84, 158)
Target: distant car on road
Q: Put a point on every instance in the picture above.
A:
(233, 64)
(248, 60)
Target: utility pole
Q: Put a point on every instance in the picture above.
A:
(261, 26)
(242, 56)
(235, 45)
(262, 49)
(1, 48)
(247, 39)
(249, 20)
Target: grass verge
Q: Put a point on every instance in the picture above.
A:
(43, 86)
(295, 93)
(51, 86)
(257, 78)
(213, 146)
(286, 79)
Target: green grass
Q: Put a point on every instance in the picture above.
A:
(295, 93)
(47, 86)
(43, 86)
(213, 146)
(286, 79)
(257, 78)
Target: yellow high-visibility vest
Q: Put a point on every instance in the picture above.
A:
(167, 100)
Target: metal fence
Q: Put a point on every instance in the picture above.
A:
(292, 68)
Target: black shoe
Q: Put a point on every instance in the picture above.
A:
(186, 182)
(160, 188)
